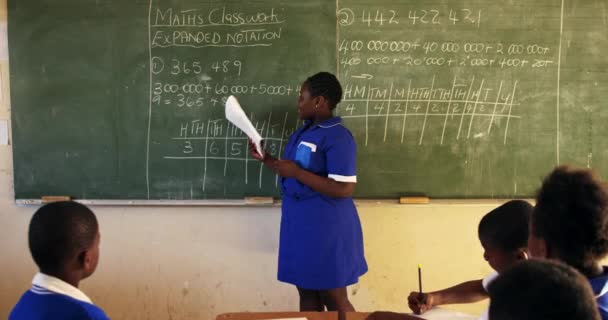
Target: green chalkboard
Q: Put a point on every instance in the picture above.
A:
(455, 99)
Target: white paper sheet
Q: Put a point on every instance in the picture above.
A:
(444, 314)
(236, 115)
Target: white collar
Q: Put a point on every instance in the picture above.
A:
(56, 285)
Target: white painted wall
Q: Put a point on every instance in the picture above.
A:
(193, 263)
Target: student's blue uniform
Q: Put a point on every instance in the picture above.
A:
(600, 289)
(43, 302)
(321, 245)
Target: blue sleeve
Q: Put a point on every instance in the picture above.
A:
(341, 157)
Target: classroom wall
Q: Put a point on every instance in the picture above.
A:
(196, 262)
(193, 263)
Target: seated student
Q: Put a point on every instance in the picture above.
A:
(503, 235)
(541, 289)
(64, 242)
(570, 224)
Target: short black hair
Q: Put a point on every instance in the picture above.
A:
(325, 84)
(571, 216)
(541, 289)
(58, 231)
(506, 227)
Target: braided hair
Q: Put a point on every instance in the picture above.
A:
(325, 84)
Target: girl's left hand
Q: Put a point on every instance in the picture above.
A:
(254, 152)
(285, 168)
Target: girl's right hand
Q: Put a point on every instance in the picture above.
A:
(420, 303)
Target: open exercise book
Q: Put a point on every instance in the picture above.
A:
(236, 115)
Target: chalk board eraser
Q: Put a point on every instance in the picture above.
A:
(259, 200)
(414, 200)
(49, 199)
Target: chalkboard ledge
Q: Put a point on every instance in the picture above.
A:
(267, 202)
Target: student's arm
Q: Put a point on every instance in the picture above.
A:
(340, 156)
(323, 185)
(466, 292)
(287, 168)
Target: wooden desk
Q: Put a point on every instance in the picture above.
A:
(435, 314)
(277, 315)
(357, 315)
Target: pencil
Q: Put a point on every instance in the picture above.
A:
(420, 281)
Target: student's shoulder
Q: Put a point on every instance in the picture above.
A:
(32, 301)
(93, 312)
(96, 314)
(35, 305)
(85, 310)
(20, 307)
(339, 134)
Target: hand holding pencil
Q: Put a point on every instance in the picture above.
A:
(420, 302)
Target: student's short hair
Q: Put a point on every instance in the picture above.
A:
(325, 84)
(571, 215)
(58, 231)
(506, 227)
(541, 289)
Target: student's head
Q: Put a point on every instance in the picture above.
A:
(320, 93)
(541, 289)
(64, 238)
(570, 219)
(503, 233)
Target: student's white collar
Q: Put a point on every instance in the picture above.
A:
(56, 285)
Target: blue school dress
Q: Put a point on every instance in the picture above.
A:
(321, 242)
(600, 289)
